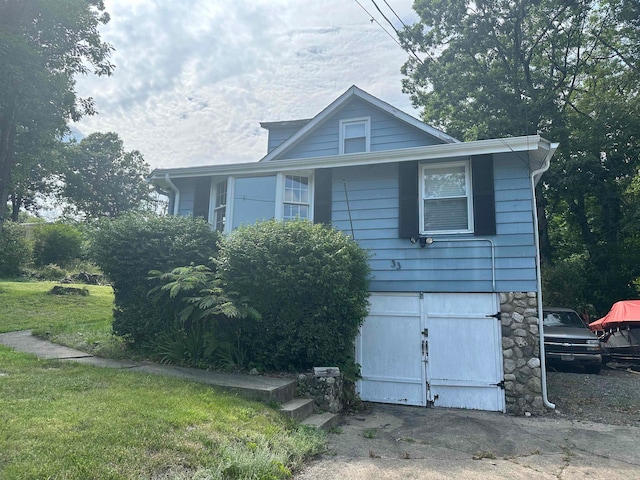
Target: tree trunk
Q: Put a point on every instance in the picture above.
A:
(7, 159)
(16, 203)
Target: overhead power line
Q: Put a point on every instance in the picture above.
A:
(397, 33)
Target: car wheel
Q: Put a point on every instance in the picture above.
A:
(594, 369)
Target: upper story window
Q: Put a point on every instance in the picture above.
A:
(355, 135)
(296, 197)
(447, 202)
(220, 206)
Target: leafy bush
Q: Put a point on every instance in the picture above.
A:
(204, 318)
(128, 248)
(15, 249)
(309, 283)
(56, 243)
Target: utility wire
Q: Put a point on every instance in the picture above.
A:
(395, 39)
(394, 12)
(373, 19)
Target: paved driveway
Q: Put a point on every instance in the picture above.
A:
(396, 442)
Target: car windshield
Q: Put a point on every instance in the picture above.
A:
(562, 319)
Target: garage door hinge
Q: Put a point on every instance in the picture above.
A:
(496, 315)
(500, 384)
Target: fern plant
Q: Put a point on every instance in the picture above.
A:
(203, 312)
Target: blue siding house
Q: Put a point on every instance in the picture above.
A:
(455, 291)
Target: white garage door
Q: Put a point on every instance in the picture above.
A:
(464, 367)
(441, 349)
(389, 351)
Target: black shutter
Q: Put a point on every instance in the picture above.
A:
(484, 204)
(322, 196)
(408, 222)
(201, 197)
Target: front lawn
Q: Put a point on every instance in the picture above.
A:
(73, 320)
(67, 420)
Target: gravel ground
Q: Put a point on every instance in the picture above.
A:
(612, 397)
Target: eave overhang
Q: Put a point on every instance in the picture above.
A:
(534, 149)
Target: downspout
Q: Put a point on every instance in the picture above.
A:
(536, 235)
(176, 193)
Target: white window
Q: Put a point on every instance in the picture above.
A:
(355, 135)
(296, 197)
(446, 205)
(220, 207)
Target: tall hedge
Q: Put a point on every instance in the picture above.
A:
(15, 249)
(309, 283)
(129, 247)
(57, 243)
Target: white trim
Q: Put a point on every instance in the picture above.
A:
(469, 195)
(537, 148)
(354, 91)
(355, 121)
(212, 203)
(231, 190)
(280, 181)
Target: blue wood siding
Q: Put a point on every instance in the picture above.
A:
(445, 266)
(277, 135)
(387, 133)
(187, 187)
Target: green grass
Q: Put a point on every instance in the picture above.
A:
(72, 421)
(73, 320)
(27, 305)
(63, 420)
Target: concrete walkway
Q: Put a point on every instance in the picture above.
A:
(257, 387)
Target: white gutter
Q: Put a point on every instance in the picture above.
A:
(176, 193)
(531, 144)
(536, 235)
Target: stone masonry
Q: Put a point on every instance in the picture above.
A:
(521, 353)
(324, 386)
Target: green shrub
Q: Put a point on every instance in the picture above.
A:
(127, 248)
(15, 249)
(309, 283)
(204, 319)
(56, 243)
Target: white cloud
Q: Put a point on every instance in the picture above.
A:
(193, 79)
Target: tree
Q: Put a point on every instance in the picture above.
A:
(102, 180)
(43, 45)
(567, 70)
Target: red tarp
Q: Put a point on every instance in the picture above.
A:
(626, 312)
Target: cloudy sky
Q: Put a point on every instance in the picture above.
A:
(194, 78)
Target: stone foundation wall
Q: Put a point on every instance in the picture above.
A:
(521, 353)
(325, 386)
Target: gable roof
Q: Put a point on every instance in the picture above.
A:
(353, 92)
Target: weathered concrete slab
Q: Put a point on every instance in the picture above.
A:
(257, 387)
(23, 341)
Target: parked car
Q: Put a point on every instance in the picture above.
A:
(568, 341)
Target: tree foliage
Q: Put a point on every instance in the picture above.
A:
(567, 70)
(43, 45)
(101, 179)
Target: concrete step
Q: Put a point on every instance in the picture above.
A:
(324, 421)
(298, 408)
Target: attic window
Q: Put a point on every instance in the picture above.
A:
(355, 135)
